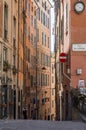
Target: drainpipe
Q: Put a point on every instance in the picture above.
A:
(66, 74)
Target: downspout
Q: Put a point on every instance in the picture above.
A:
(66, 74)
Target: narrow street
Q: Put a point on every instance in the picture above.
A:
(42, 64)
(41, 125)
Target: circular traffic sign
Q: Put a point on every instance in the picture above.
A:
(62, 57)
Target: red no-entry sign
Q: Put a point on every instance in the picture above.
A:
(62, 57)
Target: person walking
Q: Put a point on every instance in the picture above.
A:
(24, 113)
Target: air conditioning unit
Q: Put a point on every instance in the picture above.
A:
(79, 71)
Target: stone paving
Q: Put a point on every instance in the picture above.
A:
(41, 125)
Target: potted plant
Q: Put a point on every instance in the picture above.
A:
(14, 69)
(6, 66)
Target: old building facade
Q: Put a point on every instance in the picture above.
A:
(41, 90)
(71, 40)
(8, 56)
(25, 72)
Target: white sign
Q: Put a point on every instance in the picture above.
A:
(81, 83)
(79, 47)
(81, 91)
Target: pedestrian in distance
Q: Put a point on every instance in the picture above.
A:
(24, 113)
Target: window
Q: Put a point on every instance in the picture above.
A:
(43, 38)
(29, 55)
(52, 68)
(38, 13)
(32, 7)
(41, 16)
(21, 64)
(42, 79)
(32, 38)
(5, 54)
(14, 59)
(46, 60)
(62, 28)
(14, 43)
(26, 30)
(48, 79)
(5, 20)
(37, 35)
(42, 58)
(14, 27)
(45, 5)
(48, 42)
(29, 9)
(26, 53)
(32, 20)
(31, 80)
(34, 41)
(25, 4)
(53, 91)
(66, 18)
(29, 33)
(45, 21)
(44, 18)
(34, 23)
(48, 23)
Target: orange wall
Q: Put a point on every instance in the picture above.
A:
(78, 35)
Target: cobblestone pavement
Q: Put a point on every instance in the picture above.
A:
(41, 125)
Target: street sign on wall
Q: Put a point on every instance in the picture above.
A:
(81, 83)
(79, 47)
(62, 57)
